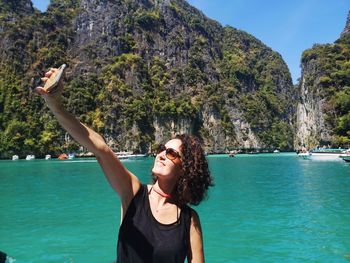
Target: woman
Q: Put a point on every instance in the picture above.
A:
(157, 225)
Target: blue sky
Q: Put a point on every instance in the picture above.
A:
(287, 26)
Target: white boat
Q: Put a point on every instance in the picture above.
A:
(276, 151)
(47, 157)
(327, 153)
(304, 155)
(232, 154)
(346, 158)
(15, 157)
(346, 155)
(30, 157)
(71, 156)
(129, 155)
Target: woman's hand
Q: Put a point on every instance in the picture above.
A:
(53, 97)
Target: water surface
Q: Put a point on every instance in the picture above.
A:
(263, 208)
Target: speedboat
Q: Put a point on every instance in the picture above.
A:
(327, 153)
(47, 157)
(346, 155)
(304, 155)
(15, 157)
(346, 158)
(129, 155)
(30, 157)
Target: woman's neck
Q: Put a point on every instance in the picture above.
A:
(163, 189)
(160, 192)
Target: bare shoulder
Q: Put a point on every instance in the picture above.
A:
(195, 221)
(195, 253)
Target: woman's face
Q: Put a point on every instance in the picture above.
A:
(166, 168)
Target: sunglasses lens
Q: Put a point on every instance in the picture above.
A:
(171, 154)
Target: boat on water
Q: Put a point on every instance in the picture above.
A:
(346, 158)
(71, 156)
(47, 157)
(15, 157)
(129, 155)
(346, 155)
(327, 153)
(63, 156)
(304, 155)
(30, 157)
(233, 153)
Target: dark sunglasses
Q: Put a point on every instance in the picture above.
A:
(170, 153)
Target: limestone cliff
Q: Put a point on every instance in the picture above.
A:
(311, 126)
(323, 111)
(141, 71)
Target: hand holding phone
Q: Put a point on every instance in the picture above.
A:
(51, 84)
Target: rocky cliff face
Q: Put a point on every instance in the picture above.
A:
(11, 14)
(189, 47)
(346, 30)
(141, 71)
(323, 109)
(16, 8)
(311, 125)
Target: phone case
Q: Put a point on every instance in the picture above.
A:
(52, 83)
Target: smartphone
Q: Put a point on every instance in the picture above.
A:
(52, 83)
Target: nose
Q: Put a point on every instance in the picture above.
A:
(162, 155)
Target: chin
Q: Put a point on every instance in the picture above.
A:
(156, 172)
(159, 174)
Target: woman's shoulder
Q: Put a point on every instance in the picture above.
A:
(195, 223)
(190, 213)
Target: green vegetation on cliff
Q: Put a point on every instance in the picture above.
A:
(253, 71)
(135, 66)
(332, 84)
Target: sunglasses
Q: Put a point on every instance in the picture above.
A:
(170, 153)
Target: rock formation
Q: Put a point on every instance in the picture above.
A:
(141, 71)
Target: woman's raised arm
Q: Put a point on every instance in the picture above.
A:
(121, 180)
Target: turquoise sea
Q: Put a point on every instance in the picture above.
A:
(263, 208)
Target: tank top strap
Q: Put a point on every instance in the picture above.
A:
(186, 217)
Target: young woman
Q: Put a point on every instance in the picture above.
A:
(157, 223)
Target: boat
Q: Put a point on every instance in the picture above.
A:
(15, 157)
(276, 151)
(346, 158)
(63, 156)
(129, 155)
(304, 155)
(346, 155)
(71, 156)
(327, 153)
(85, 154)
(30, 157)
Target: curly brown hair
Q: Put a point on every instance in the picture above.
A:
(192, 185)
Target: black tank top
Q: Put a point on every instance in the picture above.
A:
(143, 239)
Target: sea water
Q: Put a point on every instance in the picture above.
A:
(263, 208)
